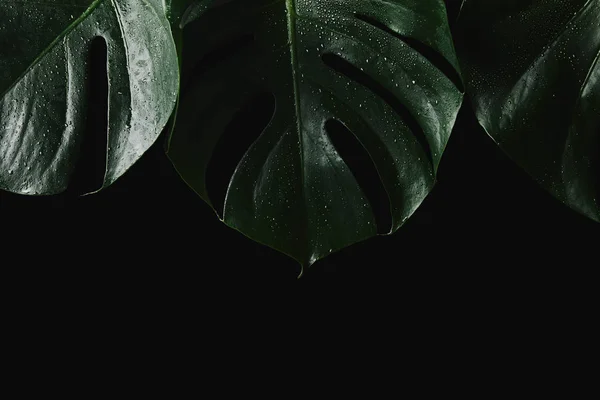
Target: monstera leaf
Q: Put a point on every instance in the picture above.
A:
(533, 74)
(44, 57)
(384, 71)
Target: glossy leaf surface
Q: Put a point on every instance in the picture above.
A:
(44, 68)
(533, 75)
(385, 70)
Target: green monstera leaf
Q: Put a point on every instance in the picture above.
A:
(44, 65)
(384, 71)
(533, 74)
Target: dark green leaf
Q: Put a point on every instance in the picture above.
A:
(534, 78)
(384, 70)
(44, 51)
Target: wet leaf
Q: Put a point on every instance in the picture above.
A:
(382, 72)
(44, 67)
(533, 75)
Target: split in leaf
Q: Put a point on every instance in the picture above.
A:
(383, 73)
(44, 88)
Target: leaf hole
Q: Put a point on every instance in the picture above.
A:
(90, 167)
(243, 130)
(344, 67)
(435, 58)
(364, 170)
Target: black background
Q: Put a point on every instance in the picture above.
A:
(486, 224)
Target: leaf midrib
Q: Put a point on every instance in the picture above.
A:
(291, 22)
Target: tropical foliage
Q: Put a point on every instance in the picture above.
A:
(295, 83)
